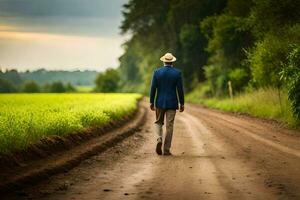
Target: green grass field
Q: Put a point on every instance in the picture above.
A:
(84, 89)
(261, 103)
(26, 118)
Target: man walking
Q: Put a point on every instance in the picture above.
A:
(166, 88)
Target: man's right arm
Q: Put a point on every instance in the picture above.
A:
(180, 92)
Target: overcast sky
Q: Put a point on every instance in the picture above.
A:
(60, 34)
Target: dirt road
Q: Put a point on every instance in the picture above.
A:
(215, 156)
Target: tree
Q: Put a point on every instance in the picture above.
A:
(6, 86)
(229, 36)
(275, 26)
(129, 68)
(192, 43)
(271, 16)
(57, 87)
(245, 42)
(107, 81)
(46, 87)
(30, 87)
(161, 26)
(12, 75)
(291, 74)
(70, 88)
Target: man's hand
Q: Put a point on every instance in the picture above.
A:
(181, 109)
(152, 107)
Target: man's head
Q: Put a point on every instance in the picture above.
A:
(168, 63)
(168, 59)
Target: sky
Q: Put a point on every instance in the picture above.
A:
(60, 34)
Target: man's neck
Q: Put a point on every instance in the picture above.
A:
(168, 65)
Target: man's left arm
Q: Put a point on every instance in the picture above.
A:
(153, 91)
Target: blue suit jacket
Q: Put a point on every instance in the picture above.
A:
(166, 83)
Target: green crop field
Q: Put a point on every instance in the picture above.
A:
(26, 118)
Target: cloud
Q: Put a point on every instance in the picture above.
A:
(67, 25)
(60, 34)
(4, 27)
(38, 50)
(63, 8)
(83, 17)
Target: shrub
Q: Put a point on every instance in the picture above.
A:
(202, 90)
(107, 81)
(70, 88)
(57, 87)
(31, 87)
(291, 74)
(266, 61)
(239, 78)
(217, 78)
(6, 86)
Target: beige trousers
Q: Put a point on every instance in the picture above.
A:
(170, 116)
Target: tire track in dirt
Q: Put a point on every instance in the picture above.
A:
(230, 173)
(273, 134)
(256, 136)
(278, 166)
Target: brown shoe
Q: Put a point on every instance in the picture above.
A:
(167, 153)
(158, 148)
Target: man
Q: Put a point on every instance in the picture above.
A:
(166, 88)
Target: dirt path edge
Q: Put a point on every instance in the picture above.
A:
(68, 159)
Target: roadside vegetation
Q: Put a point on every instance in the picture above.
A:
(265, 102)
(27, 118)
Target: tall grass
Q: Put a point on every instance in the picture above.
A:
(265, 102)
(26, 118)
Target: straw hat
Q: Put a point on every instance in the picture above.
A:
(168, 57)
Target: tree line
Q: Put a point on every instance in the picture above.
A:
(251, 44)
(12, 82)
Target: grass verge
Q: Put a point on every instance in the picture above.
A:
(265, 102)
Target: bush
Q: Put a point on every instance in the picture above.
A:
(6, 86)
(31, 87)
(57, 87)
(238, 77)
(70, 88)
(107, 81)
(266, 61)
(46, 87)
(202, 90)
(291, 74)
(228, 37)
(217, 78)
(270, 55)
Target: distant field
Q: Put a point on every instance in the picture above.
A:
(26, 118)
(84, 89)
